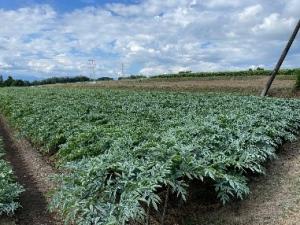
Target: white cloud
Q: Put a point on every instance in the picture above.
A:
(274, 24)
(41, 65)
(222, 3)
(149, 37)
(160, 69)
(25, 21)
(250, 12)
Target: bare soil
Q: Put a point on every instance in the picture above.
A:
(282, 85)
(33, 173)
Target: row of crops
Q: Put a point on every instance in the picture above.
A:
(10, 190)
(120, 150)
(243, 73)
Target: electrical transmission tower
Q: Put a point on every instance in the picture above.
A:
(122, 69)
(92, 64)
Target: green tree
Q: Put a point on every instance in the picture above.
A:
(1, 80)
(9, 81)
(18, 83)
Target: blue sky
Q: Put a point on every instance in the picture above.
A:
(60, 5)
(40, 39)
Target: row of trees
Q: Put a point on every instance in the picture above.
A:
(132, 77)
(259, 71)
(10, 81)
(56, 80)
(251, 72)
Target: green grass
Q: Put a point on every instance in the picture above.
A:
(119, 148)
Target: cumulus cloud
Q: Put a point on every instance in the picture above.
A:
(250, 12)
(148, 37)
(222, 3)
(274, 24)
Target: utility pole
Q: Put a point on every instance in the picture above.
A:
(92, 63)
(281, 59)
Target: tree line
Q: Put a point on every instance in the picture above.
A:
(251, 72)
(11, 82)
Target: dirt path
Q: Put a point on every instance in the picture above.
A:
(274, 198)
(33, 173)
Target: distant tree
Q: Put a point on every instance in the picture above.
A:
(132, 77)
(18, 83)
(56, 80)
(104, 78)
(185, 72)
(9, 81)
(27, 83)
(1, 80)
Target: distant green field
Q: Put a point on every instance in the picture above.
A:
(255, 72)
(118, 149)
(241, 73)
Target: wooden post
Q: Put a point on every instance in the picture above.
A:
(281, 59)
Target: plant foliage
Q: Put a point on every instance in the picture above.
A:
(119, 148)
(9, 189)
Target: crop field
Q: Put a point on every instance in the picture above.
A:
(122, 153)
(9, 188)
(242, 73)
(283, 86)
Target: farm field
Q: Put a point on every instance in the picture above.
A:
(122, 153)
(148, 112)
(246, 85)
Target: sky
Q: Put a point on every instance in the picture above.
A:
(41, 39)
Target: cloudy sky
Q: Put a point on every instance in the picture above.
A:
(58, 37)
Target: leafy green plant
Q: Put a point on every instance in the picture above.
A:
(9, 189)
(119, 149)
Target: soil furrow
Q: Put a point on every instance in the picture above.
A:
(33, 173)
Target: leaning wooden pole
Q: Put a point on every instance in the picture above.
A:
(281, 59)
